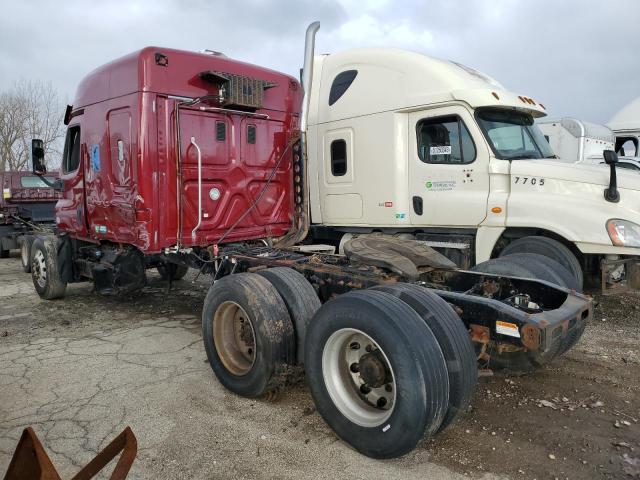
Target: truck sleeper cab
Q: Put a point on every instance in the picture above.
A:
(166, 149)
(405, 144)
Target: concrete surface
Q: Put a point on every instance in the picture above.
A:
(81, 369)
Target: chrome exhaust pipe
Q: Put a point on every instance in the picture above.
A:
(300, 223)
(307, 72)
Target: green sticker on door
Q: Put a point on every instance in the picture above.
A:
(440, 186)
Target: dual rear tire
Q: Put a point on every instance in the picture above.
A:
(385, 366)
(376, 372)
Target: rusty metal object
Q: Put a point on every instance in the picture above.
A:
(481, 335)
(631, 280)
(531, 337)
(503, 347)
(31, 462)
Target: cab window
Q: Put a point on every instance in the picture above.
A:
(445, 140)
(338, 158)
(71, 155)
(627, 146)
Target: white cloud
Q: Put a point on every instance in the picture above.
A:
(367, 30)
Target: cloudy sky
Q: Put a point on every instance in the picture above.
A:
(579, 57)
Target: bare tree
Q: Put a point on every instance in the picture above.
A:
(30, 109)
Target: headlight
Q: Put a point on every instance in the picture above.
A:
(623, 233)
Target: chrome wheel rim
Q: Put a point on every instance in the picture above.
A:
(234, 338)
(359, 377)
(39, 269)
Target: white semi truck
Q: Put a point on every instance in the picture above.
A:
(402, 143)
(574, 140)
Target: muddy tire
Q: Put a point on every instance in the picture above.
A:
(376, 373)
(248, 335)
(25, 253)
(545, 268)
(453, 338)
(300, 298)
(549, 248)
(172, 271)
(45, 271)
(517, 361)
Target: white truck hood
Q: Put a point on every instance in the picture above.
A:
(573, 172)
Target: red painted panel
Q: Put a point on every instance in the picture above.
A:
(134, 192)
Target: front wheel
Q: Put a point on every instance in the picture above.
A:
(44, 269)
(376, 372)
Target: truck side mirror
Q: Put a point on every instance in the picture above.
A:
(610, 157)
(37, 157)
(611, 194)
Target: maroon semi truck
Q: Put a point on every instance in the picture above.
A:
(177, 160)
(26, 208)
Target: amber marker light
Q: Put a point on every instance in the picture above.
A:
(496, 210)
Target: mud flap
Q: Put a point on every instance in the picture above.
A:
(65, 258)
(399, 255)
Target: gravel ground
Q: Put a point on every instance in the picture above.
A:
(81, 369)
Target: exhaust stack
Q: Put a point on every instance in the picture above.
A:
(307, 73)
(300, 224)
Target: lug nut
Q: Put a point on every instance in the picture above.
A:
(381, 402)
(354, 346)
(368, 348)
(388, 387)
(364, 389)
(354, 367)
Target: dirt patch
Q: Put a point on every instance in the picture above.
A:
(576, 418)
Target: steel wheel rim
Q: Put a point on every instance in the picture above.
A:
(39, 268)
(345, 386)
(234, 338)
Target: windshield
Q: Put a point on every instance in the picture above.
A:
(35, 182)
(512, 134)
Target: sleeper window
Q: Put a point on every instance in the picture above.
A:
(445, 140)
(338, 158)
(340, 85)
